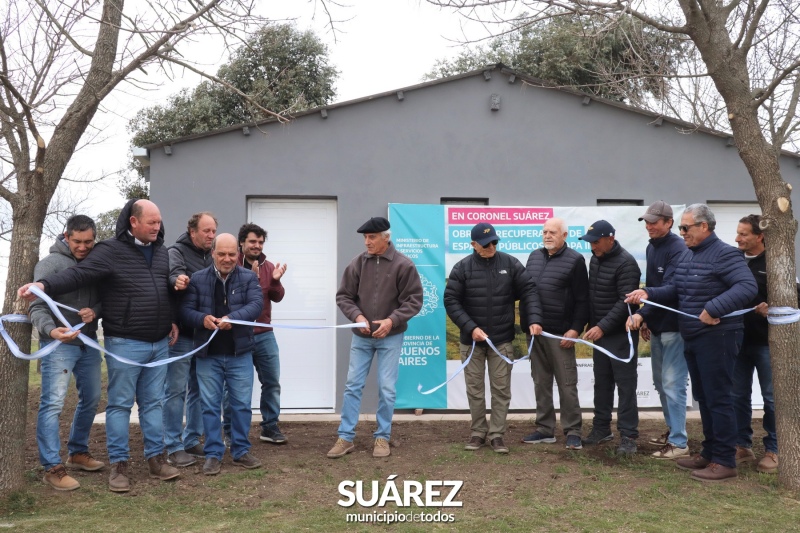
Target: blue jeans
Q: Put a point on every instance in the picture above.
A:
(235, 371)
(362, 350)
(66, 360)
(752, 358)
(710, 358)
(268, 368)
(670, 376)
(181, 374)
(127, 383)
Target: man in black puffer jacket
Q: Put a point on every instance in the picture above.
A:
(711, 281)
(479, 299)
(563, 285)
(613, 273)
(131, 271)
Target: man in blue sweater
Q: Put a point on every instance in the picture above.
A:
(661, 326)
(710, 281)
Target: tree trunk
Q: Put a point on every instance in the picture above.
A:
(14, 372)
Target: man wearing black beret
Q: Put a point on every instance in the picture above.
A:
(380, 287)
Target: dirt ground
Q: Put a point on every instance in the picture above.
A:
(420, 450)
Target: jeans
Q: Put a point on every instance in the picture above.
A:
(549, 360)
(752, 358)
(711, 357)
(268, 368)
(66, 360)
(235, 371)
(670, 379)
(127, 383)
(609, 373)
(362, 350)
(483, 359)
(181, 374)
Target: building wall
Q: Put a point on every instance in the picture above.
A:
(542, 147)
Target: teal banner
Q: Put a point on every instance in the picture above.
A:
(418, 231)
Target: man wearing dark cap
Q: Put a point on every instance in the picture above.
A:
(613, 273)
(381, 288)
(479, 299)
(660, 327)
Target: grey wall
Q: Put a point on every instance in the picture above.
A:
(542, 147)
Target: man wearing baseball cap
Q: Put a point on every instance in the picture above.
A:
(613, 273)
(479, 298)
(380, 287)
(670, 372)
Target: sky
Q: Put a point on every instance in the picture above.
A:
(378, 45)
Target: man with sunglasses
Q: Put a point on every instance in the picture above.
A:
(479, 298)
(711, 280)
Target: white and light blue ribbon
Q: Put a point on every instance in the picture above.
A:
(53, 305)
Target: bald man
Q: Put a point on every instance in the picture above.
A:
(224, 291)
(131, 271)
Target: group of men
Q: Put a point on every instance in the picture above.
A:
(697, 274)
(157, 303)
(154, 300)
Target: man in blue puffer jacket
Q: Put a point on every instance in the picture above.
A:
(224, 291)
(711, 281)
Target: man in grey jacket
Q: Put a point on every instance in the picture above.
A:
(380, 287)
(71, 357)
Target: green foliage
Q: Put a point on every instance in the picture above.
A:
(107, 224)
(625, 62)
(279, 68)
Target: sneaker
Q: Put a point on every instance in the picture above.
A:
(341, 448)
(181, 458)
(58, 478)
(627, 446)
(695, 462)
(273, 435)
(670, 451)
(84, 461)
(498, 445)
(596, 436)
(538, 437)
(661, 440)
(196, 450)
(744, 455)
(118, 479)
(475, 443)
(381, 448)
(768, 464)
(248, 461)
(160, 470)
(574, 442)
(211, 466)
(714, 473)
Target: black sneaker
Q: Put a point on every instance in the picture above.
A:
(627, 446)
(574, 442)
(537, 437)
(273, 435)
(597, 436)
(247, 461)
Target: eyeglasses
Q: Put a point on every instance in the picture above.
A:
(493, 243)
(685, 229)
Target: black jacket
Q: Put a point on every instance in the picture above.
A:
(480, 293)
(136, 297)
(563, 286)
(611, 277)
(756, 327)
(663, 255)
(186, 258)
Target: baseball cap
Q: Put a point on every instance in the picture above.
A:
(656, 211)
(484, 233)
(601, 228)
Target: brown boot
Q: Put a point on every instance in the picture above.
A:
(58, 478)
(381, 448)
(744, 455)
(695, 462)
(84, 461)
(768, 464)
(341, 448)
(118, 480)
(714, 473)
(161, 470)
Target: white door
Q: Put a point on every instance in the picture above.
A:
(302, 234)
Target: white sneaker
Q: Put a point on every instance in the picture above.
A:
(670, 451)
